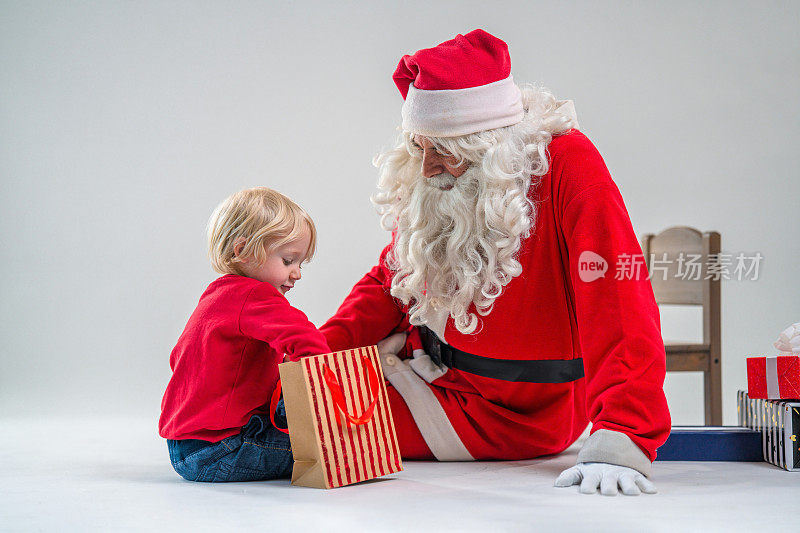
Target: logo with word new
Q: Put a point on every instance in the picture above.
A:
(591, 266)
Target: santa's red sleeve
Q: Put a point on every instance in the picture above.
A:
(268, 316)
(618, 321)
(369, 313)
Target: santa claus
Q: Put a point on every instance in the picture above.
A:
(506, 344)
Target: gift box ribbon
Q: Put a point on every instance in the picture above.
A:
(771, 376)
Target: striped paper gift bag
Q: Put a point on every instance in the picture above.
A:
(340, 422)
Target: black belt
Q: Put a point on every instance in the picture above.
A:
(541, 371)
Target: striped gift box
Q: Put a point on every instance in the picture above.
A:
(340, 421)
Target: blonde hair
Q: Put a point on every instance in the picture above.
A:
(260, 217)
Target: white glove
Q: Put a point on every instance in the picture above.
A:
(392, 344)
(607, 477)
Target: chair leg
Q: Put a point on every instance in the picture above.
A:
(712, 385)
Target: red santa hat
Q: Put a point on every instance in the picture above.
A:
(459, 87)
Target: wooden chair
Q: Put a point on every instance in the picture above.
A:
(672, 259)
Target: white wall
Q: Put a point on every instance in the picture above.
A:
(122, 125)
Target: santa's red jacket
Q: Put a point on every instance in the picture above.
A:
(546, 313)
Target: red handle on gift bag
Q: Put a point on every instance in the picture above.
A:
(273, 404)
(338, 397)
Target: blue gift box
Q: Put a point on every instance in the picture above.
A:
(712, 443)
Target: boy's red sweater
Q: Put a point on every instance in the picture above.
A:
(225, 365)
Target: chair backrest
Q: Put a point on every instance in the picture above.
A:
(683, 265)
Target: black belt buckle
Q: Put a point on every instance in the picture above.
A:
(437, 351)
(446, 355)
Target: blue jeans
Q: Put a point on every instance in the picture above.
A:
(259, 452)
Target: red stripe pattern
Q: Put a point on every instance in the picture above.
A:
(352, 453)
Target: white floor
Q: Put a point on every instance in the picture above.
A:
(110, 475)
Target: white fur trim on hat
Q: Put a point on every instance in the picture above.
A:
(454, 112)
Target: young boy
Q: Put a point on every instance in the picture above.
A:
(214, 414)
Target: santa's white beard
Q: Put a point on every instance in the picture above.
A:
(457, 247)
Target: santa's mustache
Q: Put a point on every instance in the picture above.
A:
(444, 181)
